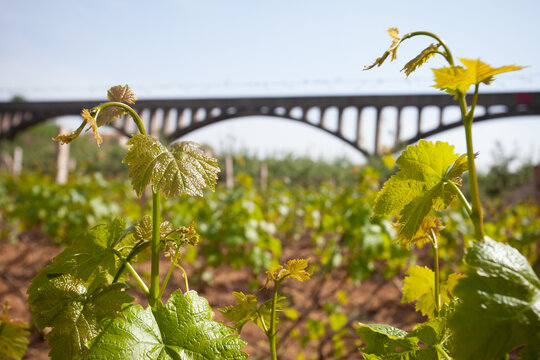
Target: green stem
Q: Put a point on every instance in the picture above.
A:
(174, 260)
(476, 215)
(185, 277)
(443, 353)
(437, 276)
(474, 101)
(127, 264)
(154, 272)
(272, 331)
(263, 323)
(461, 197)
(137, 278)
(463, 107)
(447, 56)
(136, 249)
(129, 110)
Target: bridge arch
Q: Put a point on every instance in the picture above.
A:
(219, 119)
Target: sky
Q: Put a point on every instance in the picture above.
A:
(61, 50)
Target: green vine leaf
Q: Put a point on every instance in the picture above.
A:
(75, 313)
(92, 257)
(246, 310)
(243, 312)
(117, 93)
(184, 169)
(419, 286)
(384, 342)
(143, 229)
(13, 341)
(430, 225)
(182, 329)
(396, 40)
(500, 304)
(421, 59)
(420, 185)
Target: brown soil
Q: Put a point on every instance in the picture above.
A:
(374, 301)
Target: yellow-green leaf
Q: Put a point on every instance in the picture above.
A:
(396, 40)
(90, 121)
(424, 233)
(419, 286)
(454, 79)
(420, 186)
(447, 288)
(419, 60)
(296, 269)
(457, 80)
(13, 341)
(293, 268)
(243, 312)
(483, 73)
(458, 168)
(67, 138)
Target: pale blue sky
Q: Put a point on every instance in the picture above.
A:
(74, 49)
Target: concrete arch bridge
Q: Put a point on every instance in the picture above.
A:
(339, 116)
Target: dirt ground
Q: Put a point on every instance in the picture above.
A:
(374, 301)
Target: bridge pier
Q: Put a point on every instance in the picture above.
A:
(62, 158)
(378, 123)
(398, 128)
(358, 139)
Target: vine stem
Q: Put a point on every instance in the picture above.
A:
(184, 274)
(476, 215)
(137, 278)
(174, 260)
(132, 271)
(272, 331)
(461, 197)
(137, 249)
(153, 294)
(136, 118)
(154, 272)
(447, 56)
(436, 268)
